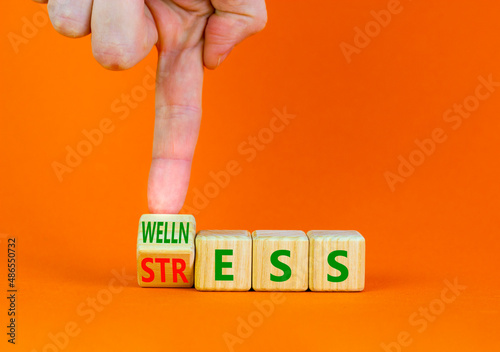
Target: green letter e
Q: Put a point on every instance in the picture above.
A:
(219, 264)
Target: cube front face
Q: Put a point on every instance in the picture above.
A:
(166, 250)
(165, 267)
(280, 260)
(223, 260)
(336, 260)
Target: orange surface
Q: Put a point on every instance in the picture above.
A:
(325, 170)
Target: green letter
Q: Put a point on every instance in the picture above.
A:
(184, 232)
(159, 232)
(146, 231)
(344, 272)
(165, 233)
(287, 272)
(173, 232)
(219, 264)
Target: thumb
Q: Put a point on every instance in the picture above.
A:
(230, 24)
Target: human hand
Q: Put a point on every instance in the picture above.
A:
(188, 34)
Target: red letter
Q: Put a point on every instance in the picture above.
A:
(180, 270)
(148, 270)
(162, 262)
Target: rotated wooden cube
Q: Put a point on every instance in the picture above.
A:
(166, 250)
(280, 260)
(223, 260)
(336, 260)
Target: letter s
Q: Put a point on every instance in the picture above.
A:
(148, 270)
(344, 272)
(287, 271)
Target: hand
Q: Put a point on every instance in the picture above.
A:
(189, 34)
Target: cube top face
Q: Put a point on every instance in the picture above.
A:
(340, 235)
(225, 235)
(223, 260)
(278, 235)
(336, 260)
(280, 260)
(166, 229)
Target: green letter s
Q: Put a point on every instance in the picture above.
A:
(287, 272)
(344, 272)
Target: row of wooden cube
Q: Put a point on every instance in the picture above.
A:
(235, 260)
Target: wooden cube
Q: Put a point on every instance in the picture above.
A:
(223, 260)
(166, 250)
(280, 260)
(336, 261)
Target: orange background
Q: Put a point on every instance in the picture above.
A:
(324, 171)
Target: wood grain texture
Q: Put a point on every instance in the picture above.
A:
(210, 241)
(321, 244)
(166, 250)
(265, 243)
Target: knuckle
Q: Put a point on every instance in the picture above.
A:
(67, 20)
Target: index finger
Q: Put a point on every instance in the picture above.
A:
(177, 123)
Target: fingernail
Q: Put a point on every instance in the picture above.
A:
(223, 57)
